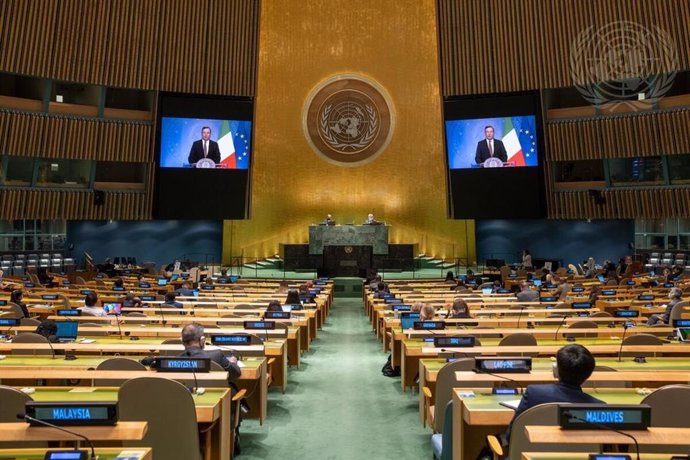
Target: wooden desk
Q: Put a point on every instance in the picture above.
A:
(476, 417)
(653, 435)
(103, 453)
(584, 456)
(429, 368)
(414, 350)
(123, 431)
(638, 378)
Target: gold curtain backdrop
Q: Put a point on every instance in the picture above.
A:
(392, 42)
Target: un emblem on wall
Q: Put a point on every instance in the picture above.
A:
(348, 120)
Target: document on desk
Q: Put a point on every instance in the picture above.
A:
(512, 404)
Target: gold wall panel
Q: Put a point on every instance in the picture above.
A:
(301, 44)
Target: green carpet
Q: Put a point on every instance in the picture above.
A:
(338, 405)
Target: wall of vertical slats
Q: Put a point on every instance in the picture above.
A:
(621, 136)
(202, 46)
(497, 46)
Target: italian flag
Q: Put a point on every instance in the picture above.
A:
(512, 143)
(227, 147)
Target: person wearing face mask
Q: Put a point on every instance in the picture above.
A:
(674, 296)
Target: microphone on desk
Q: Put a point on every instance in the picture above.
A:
(598, 425)
(29, 418)
(196, 390)
(626, 326)
(50, 344)
(522, 308)
(515, 382)
(160, 310)
(119, 329)
(555, 336)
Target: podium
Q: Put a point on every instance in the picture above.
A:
(348, 249)
(321, 236)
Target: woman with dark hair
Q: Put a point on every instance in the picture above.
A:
(118, 283)
(48, 329)
(43, 277)
(460, 309)
(274, 305)
(16, 298)
(450, 277)
(292, 297)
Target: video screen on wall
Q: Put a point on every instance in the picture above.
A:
(204, 156)
(493, 147)
(187, 141)
(499, 142)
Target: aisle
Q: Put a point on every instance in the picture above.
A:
(338, 405)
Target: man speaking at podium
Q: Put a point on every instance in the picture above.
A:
(204, 148)
(490, 147)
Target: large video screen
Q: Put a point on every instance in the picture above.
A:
(493, 146)
(204, 156)
(492, 142)
(187, 141)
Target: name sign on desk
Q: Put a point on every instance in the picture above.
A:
(669, 285)
(3, 303)
(259, 324)
(400, 307)
(630, 283)
(68, 312)
(608, 292)
(454, 342)
(503, 365)
(616, 416)
(85, 291)
(118, 288)
(66, 455)
(645, 297)
(49, 297)
(148, 298)
(29, 285)
(145, 285)
(504, 291)
(231, 339)
(548, 299)
(681, 323)
(73, 413)
(9, 322)
(627, 313)
(581, 305)
(208, 288)
(578, 289)
(181, 364)
(429, 325)
(277, 314)
(393, 301)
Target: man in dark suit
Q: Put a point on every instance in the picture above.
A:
(204, 148)
(575, 364)
(490, 147)
(193, 340)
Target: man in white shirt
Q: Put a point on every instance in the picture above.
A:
(90, 305)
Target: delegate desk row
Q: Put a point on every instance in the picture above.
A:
(213, 416)
(477, 413)
(414, 349)
(41, 361)
(435, 385)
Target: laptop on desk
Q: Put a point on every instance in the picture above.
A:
(66, 331)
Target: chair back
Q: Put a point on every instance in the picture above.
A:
(609, 384)
(520, 339)
(582, 325)
(678, 310)
(93, 333)
(169, 409)
(29, 322)
(669, 409)
(31, 337)
(445, 382)
(543, 414)
(15, 309)
(117, 364)
(13, 403)
(641, 339)
(601, 314)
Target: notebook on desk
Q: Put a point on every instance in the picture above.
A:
(512, 404)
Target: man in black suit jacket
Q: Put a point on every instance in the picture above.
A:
(193, 340)
(575, 364)
(490, 147)
(204, 148)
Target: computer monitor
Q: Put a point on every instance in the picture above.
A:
(162, 281)
(407, 320)
(601, 278)
(536, 282)
(112, 308)
(66, 330)
(487, 291)
(174, 277)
